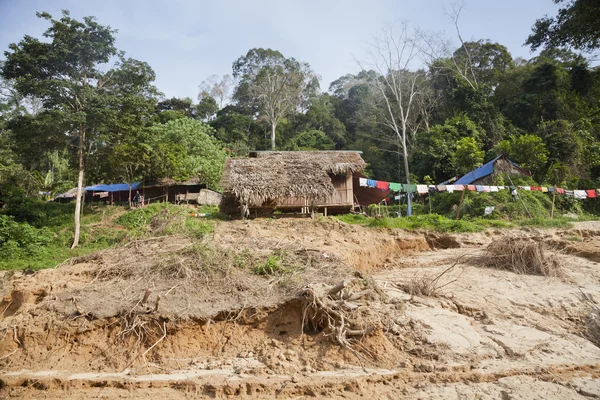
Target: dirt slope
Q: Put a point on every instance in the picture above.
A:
(176, 318)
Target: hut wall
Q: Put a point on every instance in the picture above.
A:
(365, 195)
(209, 197)
(341, 197)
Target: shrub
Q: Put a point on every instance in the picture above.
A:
(270, 267)
(18, 239)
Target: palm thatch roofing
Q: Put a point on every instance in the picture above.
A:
(162, 182)
(271, 175)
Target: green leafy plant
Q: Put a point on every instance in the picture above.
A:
(270, 267)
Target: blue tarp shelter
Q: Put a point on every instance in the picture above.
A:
(115, 187)
(488, 169)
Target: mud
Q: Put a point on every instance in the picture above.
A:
(180, 322)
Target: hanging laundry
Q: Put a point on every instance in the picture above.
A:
(371, 183)
(501, 188)
(486, 189)
(592, 194)
(493, 188)
(459, 187)
(362, 182)
(409, 188)
(471, 188)
(544, 189)
(560, 190)
(479, 188)
(422, 189)
(525, 188)
(580, 194)
(381, 185)
(450, 188)
(441, 188)
(598, 191)
(551, 189)
(395, 187)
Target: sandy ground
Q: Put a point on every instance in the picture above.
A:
(167, 318)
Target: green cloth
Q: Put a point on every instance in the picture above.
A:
(395, 187)
(408, 188)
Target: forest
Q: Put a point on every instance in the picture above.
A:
(75, 110)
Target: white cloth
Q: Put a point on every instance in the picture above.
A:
(422, 189)
(580, 194)
(493, 188)
(501, 187)
(450, 188)
(525, 188)
(362, 182)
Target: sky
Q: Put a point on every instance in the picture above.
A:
(185, 41)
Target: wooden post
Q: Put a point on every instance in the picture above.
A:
(325, 211)
(553, 200)
(462, 197)
(429, 195)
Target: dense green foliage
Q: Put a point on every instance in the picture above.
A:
(23, 245)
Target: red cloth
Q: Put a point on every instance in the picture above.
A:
(592, 193)
(382, 185)
(471, 188)
(560, 190)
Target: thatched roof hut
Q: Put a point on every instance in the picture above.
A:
(269, 176)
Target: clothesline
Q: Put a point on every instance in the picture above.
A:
(426, 189)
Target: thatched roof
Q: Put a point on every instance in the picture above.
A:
(172, 182)
(271, 175)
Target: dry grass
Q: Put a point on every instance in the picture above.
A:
(521, 256)
(427, 285)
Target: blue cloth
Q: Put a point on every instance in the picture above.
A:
(116, 187)
(479, 188)
(550, 189)
(371, 183)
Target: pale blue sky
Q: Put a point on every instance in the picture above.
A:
(185, 41)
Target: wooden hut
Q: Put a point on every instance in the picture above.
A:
(294, 181)
(170, 190)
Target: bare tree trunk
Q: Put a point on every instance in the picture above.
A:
(79, 188)
(273, 127)
(407, 177)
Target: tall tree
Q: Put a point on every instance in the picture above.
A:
(273, 85)
(576, 25)
(67, 73)
(219, 88)
(392, 56)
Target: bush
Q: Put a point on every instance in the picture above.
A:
(39, 213)
(18, 239)
(164, 219)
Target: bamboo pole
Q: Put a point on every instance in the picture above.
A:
(462, 197)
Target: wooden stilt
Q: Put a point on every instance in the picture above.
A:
(462, 197)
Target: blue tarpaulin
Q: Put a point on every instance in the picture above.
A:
(115, 187)
(483, 171)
